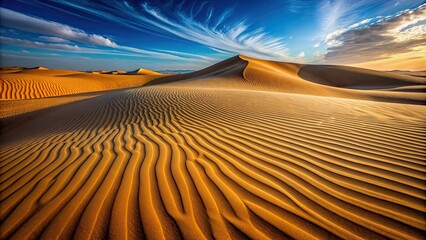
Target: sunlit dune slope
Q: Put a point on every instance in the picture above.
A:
(37, 83)
(245, 149)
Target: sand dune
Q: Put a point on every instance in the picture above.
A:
(36, 83)
(222, 153)
(242, 72)
(139, 71)
(142, 71)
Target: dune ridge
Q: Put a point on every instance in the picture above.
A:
(222, 153)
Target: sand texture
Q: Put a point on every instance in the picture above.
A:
(245, 149)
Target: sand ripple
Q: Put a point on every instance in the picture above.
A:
(177, 162)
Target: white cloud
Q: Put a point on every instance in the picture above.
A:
(317, 45)
(27, 23)
(301, 55)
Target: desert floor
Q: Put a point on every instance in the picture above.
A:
(243, 149)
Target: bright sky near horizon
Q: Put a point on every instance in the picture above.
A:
(190, 35)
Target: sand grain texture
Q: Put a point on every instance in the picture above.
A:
(243, 149)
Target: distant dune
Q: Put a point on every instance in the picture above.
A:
(244, 149)
(142, 71)
(34, 83)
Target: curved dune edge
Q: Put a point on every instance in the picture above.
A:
(171, 162)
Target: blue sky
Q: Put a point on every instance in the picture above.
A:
(190, 35)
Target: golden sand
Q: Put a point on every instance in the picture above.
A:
(243, 149)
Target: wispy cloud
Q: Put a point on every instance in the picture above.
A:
(234, 38)
(331, 13)
(379, 38)
(193, 24)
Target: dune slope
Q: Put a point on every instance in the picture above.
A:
(221, 154)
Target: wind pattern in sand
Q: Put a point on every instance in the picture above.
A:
(177, 160)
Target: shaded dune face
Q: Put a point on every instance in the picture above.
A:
(221, 154)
